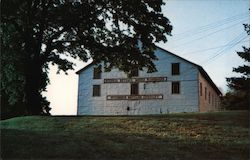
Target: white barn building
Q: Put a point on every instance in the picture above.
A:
(178, 86)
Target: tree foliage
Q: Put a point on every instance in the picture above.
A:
(239, 96)
(35, 33)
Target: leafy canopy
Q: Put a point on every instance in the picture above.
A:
(35, 33)
(105, 30)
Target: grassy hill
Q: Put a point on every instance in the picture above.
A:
(194, 136)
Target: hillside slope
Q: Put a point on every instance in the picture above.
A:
(197, 136)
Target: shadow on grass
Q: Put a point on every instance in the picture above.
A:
(87, 144)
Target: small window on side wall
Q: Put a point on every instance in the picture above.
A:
(97, 72)
(96, 90)
(205, 93)
(175, 87)
(175, 68)
(134, 89)
(200, 89)
(209, 97)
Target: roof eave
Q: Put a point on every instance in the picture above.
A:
(87, 66)
(206, 76)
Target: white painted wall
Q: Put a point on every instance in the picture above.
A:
(186, 101)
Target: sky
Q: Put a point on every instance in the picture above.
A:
(206, 32)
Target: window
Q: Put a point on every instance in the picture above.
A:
(135, 72)
(200, 89)
(205, 93)
(134, 89)
(175, 87)
(175, 68)
(209, 97)
(96, 90)
(212, 99)
(97, 72)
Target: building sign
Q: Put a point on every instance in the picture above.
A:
(135, 80)
(134, 97)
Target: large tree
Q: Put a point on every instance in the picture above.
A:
(35, 33)
(239, 95)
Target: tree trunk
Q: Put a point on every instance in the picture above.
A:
(33, 97)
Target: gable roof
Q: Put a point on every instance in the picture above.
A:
(201, 70)
(84, 68)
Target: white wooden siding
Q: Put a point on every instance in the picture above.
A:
(186, 101)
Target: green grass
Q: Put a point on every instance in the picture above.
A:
(194, 136)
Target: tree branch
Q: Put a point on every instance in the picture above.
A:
(49, 45)
(43, 24)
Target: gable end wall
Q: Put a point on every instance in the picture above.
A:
(186, 101)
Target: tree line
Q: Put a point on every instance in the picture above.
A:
(238, 97)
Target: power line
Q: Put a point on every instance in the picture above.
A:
(212, 58)
(214, 24)
(207, 35)
(229, 45)
(197, 32)
(223, 50)
(207, 49)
